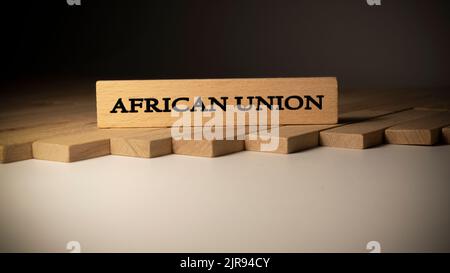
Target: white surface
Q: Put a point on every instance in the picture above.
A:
(323, 199)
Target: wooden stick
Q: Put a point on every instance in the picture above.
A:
(207, 148)
(79, 146)
(292, 138)
(16, 145)
(368, 133)
(214, 147)
(295, 138)
(422, 131)
(151, 144)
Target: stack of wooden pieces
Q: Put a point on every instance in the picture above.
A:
(365, 134)
(61, 130)
(422, 131)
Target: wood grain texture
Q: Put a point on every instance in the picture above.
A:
(368, 133)
(295, 138)
(108, 92)
(446, 135)
(291, 138)
(213, 147)
(150, 144)
(16, 144)
(79, 146)
(207, 148)
(422, 131)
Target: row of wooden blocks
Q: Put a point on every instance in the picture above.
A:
(360, 129)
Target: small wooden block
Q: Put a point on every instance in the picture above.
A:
(207, 148)
(295, 138)
(368, 133)
(150, 103)
(16, 145)
(446, 135)
(422, 131)
(213, 147)
(152, 144)
(80, 146)
(290, 139)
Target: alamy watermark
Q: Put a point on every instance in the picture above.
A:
(373, 247)
(73, 247)
(236, 122)
(373, 2)
(73, 2)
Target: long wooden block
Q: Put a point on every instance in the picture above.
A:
(207, 148)
(151, 103)
(213, 147)
(151, 144)
(16, 145)
(291, 138)
(79, 146)
(368, 133)
(446, 134)
(422, 131)
(295, 138)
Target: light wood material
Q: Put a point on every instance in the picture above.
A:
(109, 92)
(207, 148)
(151, 144)
(423, 131)
(292, 138)
(446, 135)
(79, 146)
(16, 144)
(47, 115)
(368, 133)
(295, 138)
(213, 147)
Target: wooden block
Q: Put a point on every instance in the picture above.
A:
(294, 138)
(368, 133)
(151, 144)
(422, 131)
(149, 103)
(207, 148)
(446, 135)
(213, 147)
(75, 147)
(16, 144)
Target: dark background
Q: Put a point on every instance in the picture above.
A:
(402, 43)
